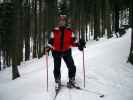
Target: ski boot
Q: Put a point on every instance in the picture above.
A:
(71, 83)
(57, 85)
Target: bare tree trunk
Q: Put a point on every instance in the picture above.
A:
(0, 48)
(103, 19)
(15, 63)
(40, 29)
(116, 19)
(0, 58)
(130, 58)
(7, 59)
(108, 19)
(35, 30)
(4, 59)
(14, 52)
(86, 32)
(92, 25)
(96, 22)
(27, 30)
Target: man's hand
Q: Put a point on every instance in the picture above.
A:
(47, 49)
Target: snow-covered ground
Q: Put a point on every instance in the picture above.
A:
(107, 72)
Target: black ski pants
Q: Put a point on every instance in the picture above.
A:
(67, 57)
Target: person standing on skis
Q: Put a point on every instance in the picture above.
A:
(61, 40)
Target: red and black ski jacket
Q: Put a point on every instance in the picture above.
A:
(62, 39)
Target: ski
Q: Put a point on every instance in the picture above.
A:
(58, 90)
(78, 88)
(56, 93)
(89, 91)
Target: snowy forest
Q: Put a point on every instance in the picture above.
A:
(25, 25)
(104, 68)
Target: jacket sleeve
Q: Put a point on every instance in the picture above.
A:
(51, 40)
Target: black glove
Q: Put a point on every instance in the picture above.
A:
(81, 44)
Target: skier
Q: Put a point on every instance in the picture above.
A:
(61, 40)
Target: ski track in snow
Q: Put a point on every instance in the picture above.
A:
(107, 72)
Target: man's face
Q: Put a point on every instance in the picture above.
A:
(62, 23)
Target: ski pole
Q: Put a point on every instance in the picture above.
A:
(47, 69)
(83, 60)
(83, 68)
